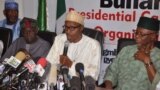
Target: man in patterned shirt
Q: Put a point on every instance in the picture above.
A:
(137, 67)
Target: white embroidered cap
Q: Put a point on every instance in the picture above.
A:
(75, 17)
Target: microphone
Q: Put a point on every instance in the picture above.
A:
(25, 73)
(13, 63)
(39, 68)
(65, 70)
(17, 60)
(80, 70)
(2, 65)
(29, 65)
(52, 76)
(35, 78)
(65, 50)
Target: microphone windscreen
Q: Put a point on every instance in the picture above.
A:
(41, 64)
(16, 60)
(42, 61)
(75, 83)
(79, 67)
(20, 55)
(52, 76)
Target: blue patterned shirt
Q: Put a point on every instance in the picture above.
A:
(15, 28)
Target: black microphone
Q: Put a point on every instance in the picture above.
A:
(65, 70)
(80, 70)
(65, 50)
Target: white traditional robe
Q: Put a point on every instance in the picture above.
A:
(86, 51)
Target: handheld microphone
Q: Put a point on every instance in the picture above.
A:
(65, 50)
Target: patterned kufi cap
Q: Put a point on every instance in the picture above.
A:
(75, 17)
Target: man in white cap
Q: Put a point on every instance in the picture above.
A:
(12, 21)
(81, 49)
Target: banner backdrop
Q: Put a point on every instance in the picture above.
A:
(115, 18)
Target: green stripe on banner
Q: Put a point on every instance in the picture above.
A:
(61, 8)
(41, 18)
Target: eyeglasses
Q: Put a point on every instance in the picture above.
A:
(140, 34)
(72, 28)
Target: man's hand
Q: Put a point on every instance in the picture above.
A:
(143, 54)
(64, 60)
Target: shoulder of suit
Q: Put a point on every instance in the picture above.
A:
(42, 40)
